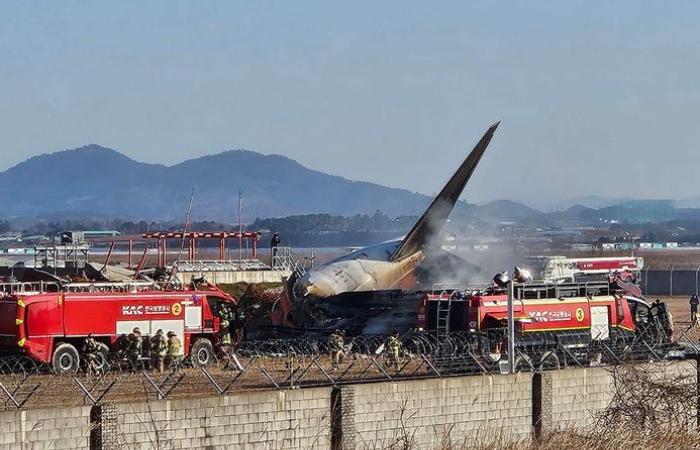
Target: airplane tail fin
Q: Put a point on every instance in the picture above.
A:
(436, 214)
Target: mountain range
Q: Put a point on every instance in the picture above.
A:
(94, 181)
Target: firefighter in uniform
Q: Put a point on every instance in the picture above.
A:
(694, 302)
(90, 350)
(174, 351)
(336, 343)
(226, 316)
(240, 325)
(159, 347)
(393, 346)
(134, 347)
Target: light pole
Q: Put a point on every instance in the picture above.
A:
(511, 330)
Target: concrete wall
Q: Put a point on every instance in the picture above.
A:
(64, 428)
(427, 411)
(349, 417)
(297, 419)
(570, 398)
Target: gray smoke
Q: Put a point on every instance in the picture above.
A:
(456, 260)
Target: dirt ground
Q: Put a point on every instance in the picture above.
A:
(680, 310)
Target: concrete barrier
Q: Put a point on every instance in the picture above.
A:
(54, 428)
(426, 413)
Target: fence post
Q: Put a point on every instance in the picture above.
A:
(541, 405)
(96, 427)
(511, 329)
(336, 419)
(697, 391)
(646, 281)
(343, 431)
(670, 287)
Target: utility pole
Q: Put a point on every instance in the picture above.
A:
(240, 229)
(511, 329)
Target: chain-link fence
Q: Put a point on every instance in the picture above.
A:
(671, 281)
(309, 361)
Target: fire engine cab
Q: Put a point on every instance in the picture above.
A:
(51, 327)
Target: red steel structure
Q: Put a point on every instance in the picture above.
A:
(192, 238)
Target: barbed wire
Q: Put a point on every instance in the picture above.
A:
(308, 361)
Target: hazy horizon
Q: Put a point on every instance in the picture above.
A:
(595, 99)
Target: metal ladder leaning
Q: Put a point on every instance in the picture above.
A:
(444, 306)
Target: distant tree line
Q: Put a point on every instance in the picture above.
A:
(326, 223)
(326, 230)
(333, 230)
(54, 227)
(309, 229)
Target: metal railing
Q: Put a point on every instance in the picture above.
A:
(34, 287)
(284, 258)
(232, 265)
(523, 291)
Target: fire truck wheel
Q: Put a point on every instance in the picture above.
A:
(65, 359)
(101, 362)
(202, 353)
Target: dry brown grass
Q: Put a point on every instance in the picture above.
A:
(622, 438)
(649, 410)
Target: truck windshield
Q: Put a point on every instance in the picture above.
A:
(640, 312)
(219, 305)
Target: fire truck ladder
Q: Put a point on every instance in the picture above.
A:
(444, 307)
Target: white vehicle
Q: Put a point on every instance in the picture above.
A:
(560, 269)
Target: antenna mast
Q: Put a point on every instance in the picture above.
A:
(185, 226)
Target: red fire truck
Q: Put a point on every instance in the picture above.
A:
(51, 327)
(546, 315)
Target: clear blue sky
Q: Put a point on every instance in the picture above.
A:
(594, 97)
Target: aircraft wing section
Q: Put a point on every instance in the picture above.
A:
(436, 214)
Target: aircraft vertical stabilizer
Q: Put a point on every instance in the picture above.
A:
(436, 214)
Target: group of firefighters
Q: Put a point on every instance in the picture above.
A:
(392, 348)
(162, 349)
